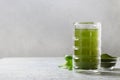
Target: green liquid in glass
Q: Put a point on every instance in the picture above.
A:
(86, 49)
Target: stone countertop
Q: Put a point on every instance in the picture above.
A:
(46, 68)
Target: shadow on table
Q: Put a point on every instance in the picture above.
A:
(115, 72)
(116, 69)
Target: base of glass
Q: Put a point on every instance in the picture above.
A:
(96, 71)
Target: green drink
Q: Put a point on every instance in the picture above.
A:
(86, 46)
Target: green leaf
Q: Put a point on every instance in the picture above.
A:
(68, 63)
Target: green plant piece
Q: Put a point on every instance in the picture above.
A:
(68, 63)
(107, 61)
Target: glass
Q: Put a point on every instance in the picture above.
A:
(108, 64)
(87, 46)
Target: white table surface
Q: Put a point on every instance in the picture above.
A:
(46, 69)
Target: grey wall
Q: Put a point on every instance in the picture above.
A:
(45, 27)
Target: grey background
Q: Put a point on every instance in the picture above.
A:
(45, 27)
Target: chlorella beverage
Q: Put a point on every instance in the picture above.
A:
(87, 46)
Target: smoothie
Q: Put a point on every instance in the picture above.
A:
(86, 51)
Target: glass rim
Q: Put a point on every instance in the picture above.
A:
(87, 25)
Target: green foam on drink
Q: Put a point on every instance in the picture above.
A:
(86, 22)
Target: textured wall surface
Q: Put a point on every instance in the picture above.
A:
(45, 27)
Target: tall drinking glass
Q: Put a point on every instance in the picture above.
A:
(87, 46)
